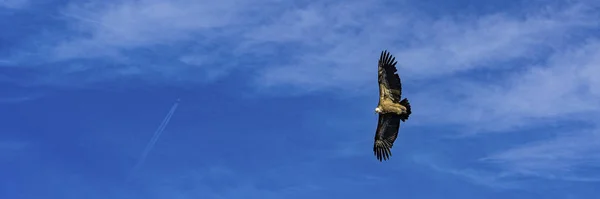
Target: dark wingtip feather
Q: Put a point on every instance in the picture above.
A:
(387, 59)
(382, 151)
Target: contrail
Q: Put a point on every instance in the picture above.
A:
(152, 142)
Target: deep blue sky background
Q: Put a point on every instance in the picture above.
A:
(278, 99)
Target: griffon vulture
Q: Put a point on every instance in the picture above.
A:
(390, 108)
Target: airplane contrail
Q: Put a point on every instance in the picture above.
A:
(154, 139)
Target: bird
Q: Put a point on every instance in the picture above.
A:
(390, 108)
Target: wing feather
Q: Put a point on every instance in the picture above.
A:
(390, 85)
(385, 135)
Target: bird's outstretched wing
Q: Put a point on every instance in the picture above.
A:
(385, 135)
(390, 86)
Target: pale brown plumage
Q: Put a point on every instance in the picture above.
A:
(391, 109)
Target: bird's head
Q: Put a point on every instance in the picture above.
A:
(377, 110)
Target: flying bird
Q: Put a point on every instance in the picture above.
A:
(390, 108)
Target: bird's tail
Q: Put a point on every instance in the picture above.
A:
(406, 104)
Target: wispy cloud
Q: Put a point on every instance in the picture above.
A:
(317, 45)
(116, 27)
(116, 35)
(561, 88)
(557, 92)
(342, 48)
(568, 157)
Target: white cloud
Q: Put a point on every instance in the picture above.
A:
(317, 46)
(562, 88)
(495, 180)
(139, 24)
(343, 47)
(566, 157)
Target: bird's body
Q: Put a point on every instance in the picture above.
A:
(390, 108)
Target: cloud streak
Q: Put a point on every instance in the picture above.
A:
(562, 88)
(337, 39)
(426, 48)
(567, 157)
(557, 92)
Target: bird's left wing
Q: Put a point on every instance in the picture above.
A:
(385, 135)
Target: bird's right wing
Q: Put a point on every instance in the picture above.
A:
(390, 85)
(385, 135)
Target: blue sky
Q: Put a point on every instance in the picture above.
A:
(278, 99)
